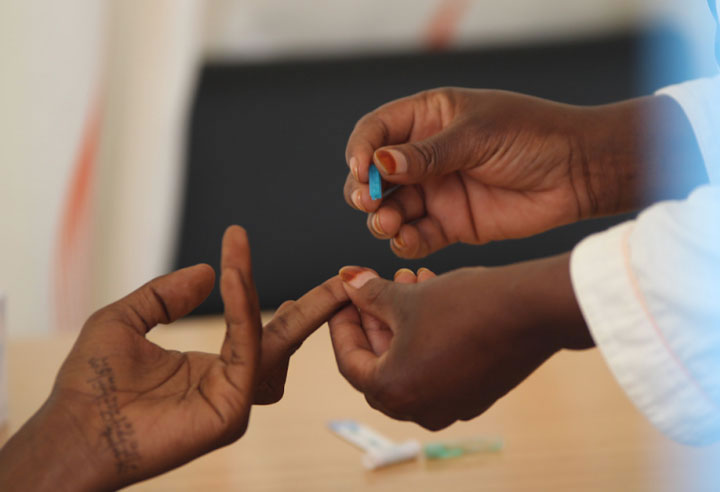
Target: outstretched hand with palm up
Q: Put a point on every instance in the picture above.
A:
(124, 409)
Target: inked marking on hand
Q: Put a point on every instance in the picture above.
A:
(117, 430)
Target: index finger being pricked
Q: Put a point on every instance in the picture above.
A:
(389, 124)
(354, 355)
(294, 321)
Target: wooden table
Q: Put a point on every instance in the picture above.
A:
(569, 427)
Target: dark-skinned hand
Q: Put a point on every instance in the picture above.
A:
(475, 166)
(124, 409)
(446, 348)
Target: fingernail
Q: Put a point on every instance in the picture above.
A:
(356, 199)
(423, 269)
(397, 240)
(376, 225)
(356, 276)
(354, 168)
(401, 271)
(391, 161)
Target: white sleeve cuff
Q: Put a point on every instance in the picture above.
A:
(700, 99)
(631, 342)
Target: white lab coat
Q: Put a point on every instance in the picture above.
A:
(649, 290)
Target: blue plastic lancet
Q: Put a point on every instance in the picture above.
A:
(375, 182)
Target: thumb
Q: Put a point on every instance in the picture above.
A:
(162, 300)
(414, 162)
(370, 293)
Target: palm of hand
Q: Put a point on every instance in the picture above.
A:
(145, 400)
(139, 409)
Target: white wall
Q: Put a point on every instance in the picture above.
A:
(133, 63)
(154, 55)
(248, 29)
(267, 28)
(50, 56)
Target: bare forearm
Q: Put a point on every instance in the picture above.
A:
(540, 296)
(46, 454)
(552, 301)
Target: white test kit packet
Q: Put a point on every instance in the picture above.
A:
(379, 450)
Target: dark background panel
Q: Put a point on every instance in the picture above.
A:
(266, 150)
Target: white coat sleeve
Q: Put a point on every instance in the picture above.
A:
(700, 99)
(649, 290)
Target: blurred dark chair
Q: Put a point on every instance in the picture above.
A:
(266, 149)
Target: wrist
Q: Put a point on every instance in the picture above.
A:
(606, 168)
(634, 153)
(49, 452)
(552, 312)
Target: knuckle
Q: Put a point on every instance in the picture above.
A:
(444, 102)
(445, 96)
(234, 427)
(237, 430)
(286, 305)
(348, 189)
(293, 347)
(156, 303)
(396, 395)
(343, 370)
(347, 372)
(372, 121)
(103, 315)
(430, 95)
(281, 327)
(376, 291)
(372, 402)
(433, 425)
(364, 120)
(429, 155)
(127, 312)
(397, 208)
(286, 324)
(401, 253)
(424, 96)
(269, 393)
(334, 291)
(439, 97)
(277, 394)
(353, 375)
(370, 223)
(238, 358)
(383, 128)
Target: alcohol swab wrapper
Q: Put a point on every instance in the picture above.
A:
(379, 450)
(443, 450)
(375, 182)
